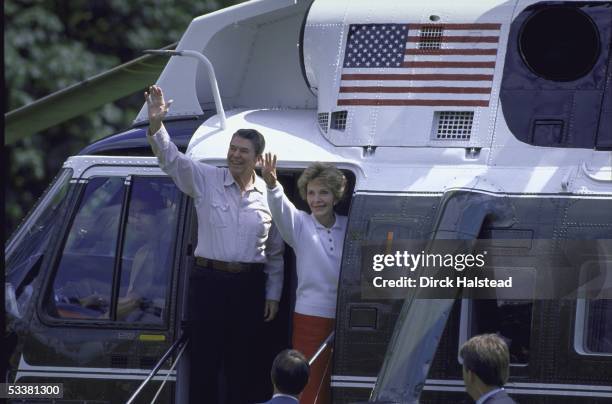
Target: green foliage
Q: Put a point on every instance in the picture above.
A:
(49, 45)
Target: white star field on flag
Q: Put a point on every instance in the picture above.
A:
(376, 45)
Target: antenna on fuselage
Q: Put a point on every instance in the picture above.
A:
(211, 75)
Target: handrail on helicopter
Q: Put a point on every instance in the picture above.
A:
(211, 75)
(182, 341)
(328, 341)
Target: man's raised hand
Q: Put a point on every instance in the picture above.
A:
(268, 170)
(156, 107)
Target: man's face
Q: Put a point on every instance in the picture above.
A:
(241, 158)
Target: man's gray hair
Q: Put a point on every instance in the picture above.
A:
(256, 138)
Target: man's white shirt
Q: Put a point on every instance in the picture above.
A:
(233, 226)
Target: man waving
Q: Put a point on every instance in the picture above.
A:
(237, 281)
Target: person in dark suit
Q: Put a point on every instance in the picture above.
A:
(486, 366)
(290, 372)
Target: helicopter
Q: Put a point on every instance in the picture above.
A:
(486, 121)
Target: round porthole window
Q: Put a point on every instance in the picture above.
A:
(559, 43)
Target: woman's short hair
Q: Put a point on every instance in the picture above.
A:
(328, 174)
(487, 355)
(290, 372)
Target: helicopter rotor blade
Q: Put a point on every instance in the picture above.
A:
(84, 96)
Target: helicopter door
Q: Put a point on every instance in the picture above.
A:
(84, 283)
(107, 308)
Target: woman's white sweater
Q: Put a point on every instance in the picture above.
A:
(318, 252)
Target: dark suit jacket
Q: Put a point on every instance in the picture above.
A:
(500, 397)
(281, 400)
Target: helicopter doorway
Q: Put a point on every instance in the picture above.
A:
(277, 334)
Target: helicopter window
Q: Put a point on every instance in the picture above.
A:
(83, 282)
(594, 327)
(147, 250)
(593, 324)
(553, 51)
(26, 248)
(510, 319)
(599, 326)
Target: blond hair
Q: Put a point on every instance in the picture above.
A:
(331, 177)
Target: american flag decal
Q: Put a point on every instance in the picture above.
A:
(447, 65)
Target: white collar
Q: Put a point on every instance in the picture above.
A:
(285, 395)
(319, 226)
(491, 393)
(258, 183)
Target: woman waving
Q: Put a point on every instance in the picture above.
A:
(317, 240)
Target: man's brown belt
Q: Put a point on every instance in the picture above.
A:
(233, 267)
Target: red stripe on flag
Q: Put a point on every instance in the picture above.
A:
(442, 77)
(455, 26)
(426, 103)
(455, 39)
(450, 64)
(461, 52)
(420, 90)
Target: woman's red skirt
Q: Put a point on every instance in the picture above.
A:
(309, 332)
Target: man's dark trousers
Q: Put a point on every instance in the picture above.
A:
(226, 317)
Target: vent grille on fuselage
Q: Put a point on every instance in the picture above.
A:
(453, 125)
(430, 37)
(323, 118)
(338, 121)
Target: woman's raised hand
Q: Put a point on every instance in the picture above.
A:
(268, 170)
(156, 107)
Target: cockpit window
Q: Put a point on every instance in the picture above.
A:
(116, 262)
(25, 250)
(83, 284)
(146, 257)
(32, 237)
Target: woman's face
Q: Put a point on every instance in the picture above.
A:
(320, 199)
